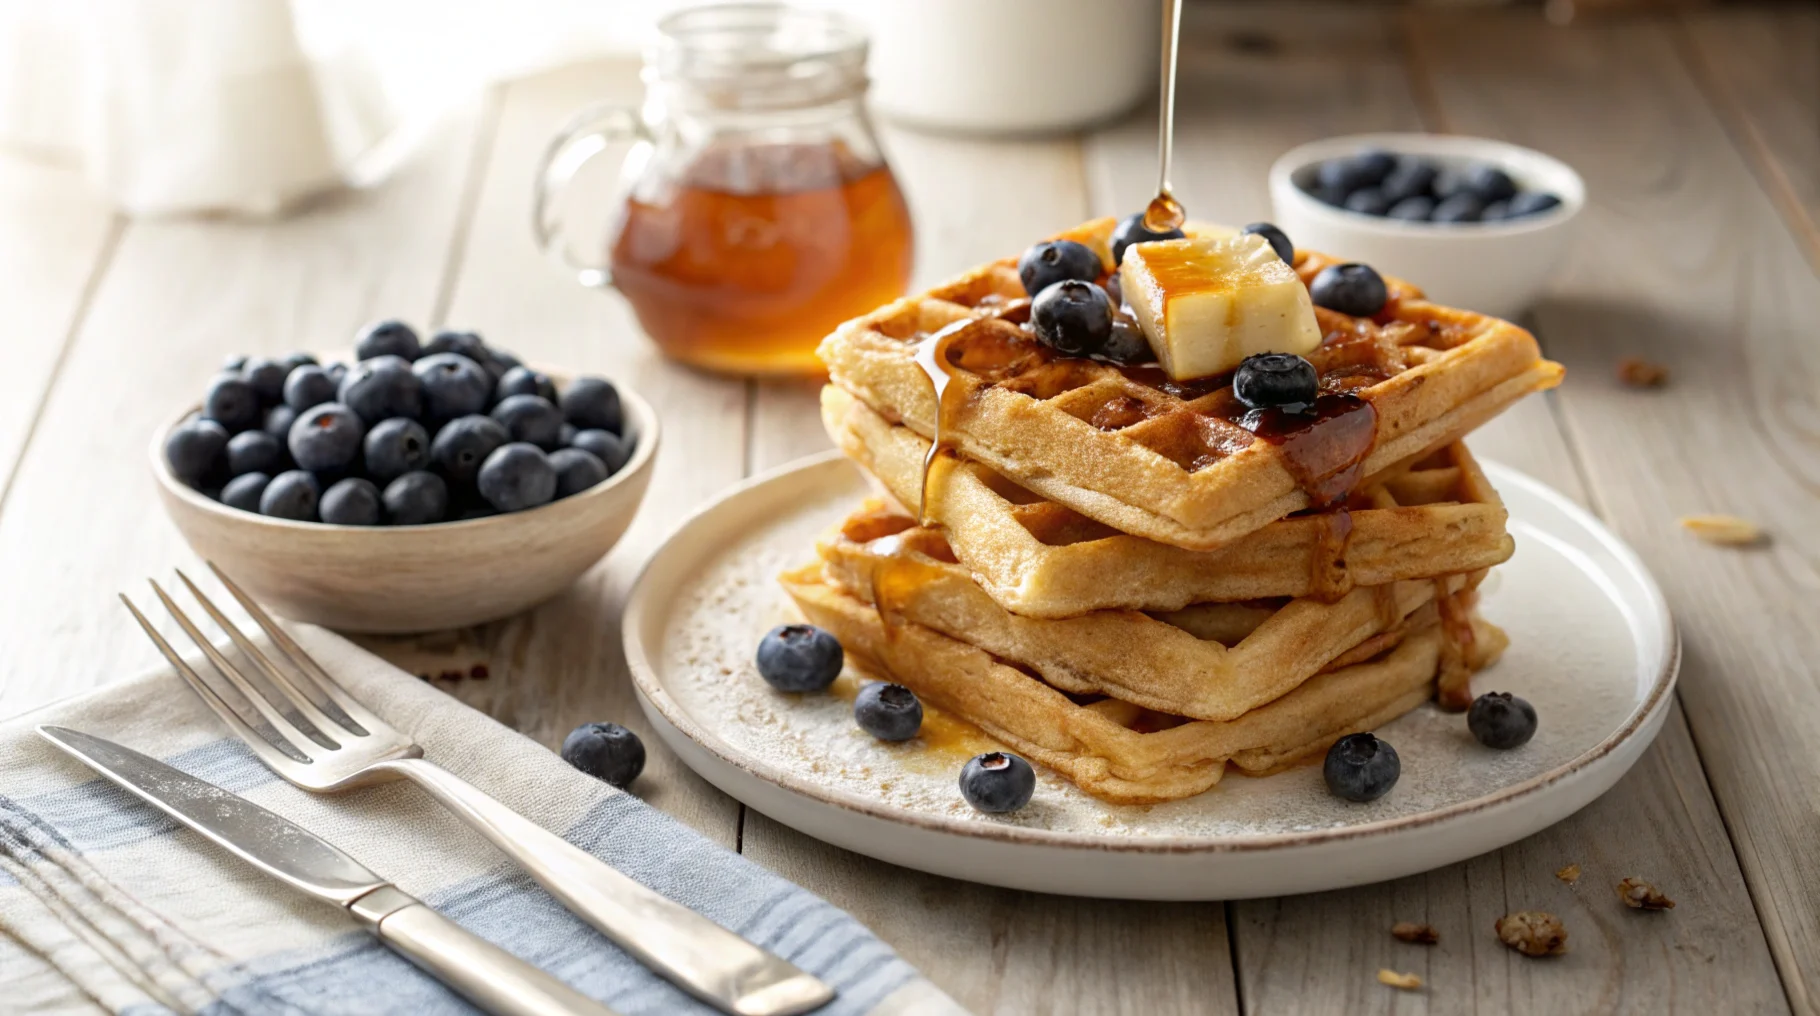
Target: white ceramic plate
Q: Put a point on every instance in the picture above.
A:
(1592, 646)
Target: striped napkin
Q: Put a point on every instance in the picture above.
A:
(108, 906)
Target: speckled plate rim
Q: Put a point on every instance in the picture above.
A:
(1645, 719)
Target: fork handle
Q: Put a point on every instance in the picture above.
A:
(692, 952)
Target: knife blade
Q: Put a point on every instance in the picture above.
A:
(490, 977)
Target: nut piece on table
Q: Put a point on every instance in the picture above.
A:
(1640, 895)
(1636, 372)
(1569, 874)
(1407, 982)
(1533, 933)
(1726, 530)
(1410, 931)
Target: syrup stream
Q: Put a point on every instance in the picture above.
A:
(1164, 212)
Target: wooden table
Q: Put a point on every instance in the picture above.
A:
(1700, 141)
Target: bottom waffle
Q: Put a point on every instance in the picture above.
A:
(1121, 752)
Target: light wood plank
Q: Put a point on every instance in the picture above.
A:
(1684, 260)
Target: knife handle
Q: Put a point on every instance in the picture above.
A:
(488, 976)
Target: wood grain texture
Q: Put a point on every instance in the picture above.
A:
(1685, 261)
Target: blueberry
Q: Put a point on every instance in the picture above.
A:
(889, 712)
(267, 378)
(466, 344)
(1360, 767)
(1052, 261)
(1351, 288)
(309, 386)
(1413, 209)
(395, 447)
(1488, 183)
(605, 751)
(611, 449)
(381, 388)
(499, 363)
(278, 420)
(195, 449)
(463, 444)
(292, 361)
(1073, 318)
(1413, 177)
(566, 436)
(416, 499)
(1462, 207)
(1372, 165)
(1501, 720)
(531, 418)
(351, 502)
(1279, 240)
(338, 372)
(517, 476)
(1367, 201)
(1338, 178)
(387, 338)
(997, 782)
(233, 363)
(1126, 344)
(1132, 230)
(525, 381)
(291, 495)
(576, 471)
(244, 491)
(1532, 203)
(453, 385)
(592, 403)
(254, 451)
(1276, 380)
(232, 402)
(799, 657)
(1497, 211)
(327, 438)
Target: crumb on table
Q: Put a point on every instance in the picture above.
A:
(1533, 933)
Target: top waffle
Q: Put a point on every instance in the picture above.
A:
(1173, 461)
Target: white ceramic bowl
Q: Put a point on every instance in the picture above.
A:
(1495, 268)
(400, 579)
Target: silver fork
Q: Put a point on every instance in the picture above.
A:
(340, 744)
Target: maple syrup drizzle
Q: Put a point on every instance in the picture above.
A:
(932, 356)
(1328, 579)
(1164, 212)
(1325, 448)
(1454, 691)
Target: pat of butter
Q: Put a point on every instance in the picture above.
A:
(1206, 303)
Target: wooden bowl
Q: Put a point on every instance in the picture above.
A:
(399, 579)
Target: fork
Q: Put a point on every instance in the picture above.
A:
(328, 741)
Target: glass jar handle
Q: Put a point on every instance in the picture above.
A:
(586, 135)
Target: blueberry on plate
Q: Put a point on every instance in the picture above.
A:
(307, 386)
(1461, 207)
(195, 449)
(1532, 203)
(244, 491)
(292, 361)
(254, 451)
(605, 751)
(1361, 768)
(1412, 209)
(395, 447)
(387, 338)
(997, 782)
(889, 712)
(327, 438)
(267, 378)
(517, 476)
(463, 444)
(576, 471)
(1351, 288)
(592, 403)
(468, 344)
(1126, 344)
(525, 381)
(381, 388)
(1413, 177)
(799, 657)
(1132, 230)
(292, 494)
(531, 418)
(1279, 240)
(1072, 317)
(1501, 720)
(232, 402)
(1276, 381)
(612, 450)
(350, 502)
(453, 385)
(416, 499)
(1367, 201)
(1052, 261)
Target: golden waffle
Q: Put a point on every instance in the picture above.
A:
(1114, 750)
(1213, 661)
(1166, 460)
(1435, 516)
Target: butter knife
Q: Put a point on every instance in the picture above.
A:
(488, 976)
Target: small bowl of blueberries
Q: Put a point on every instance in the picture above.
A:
(420, 485)
(1477, 224)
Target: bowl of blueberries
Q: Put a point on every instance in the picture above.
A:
(1478, 224)
(421, 485)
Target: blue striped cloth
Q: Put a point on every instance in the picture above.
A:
(109, 906)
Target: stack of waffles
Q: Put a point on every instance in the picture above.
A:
(1124, 578)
